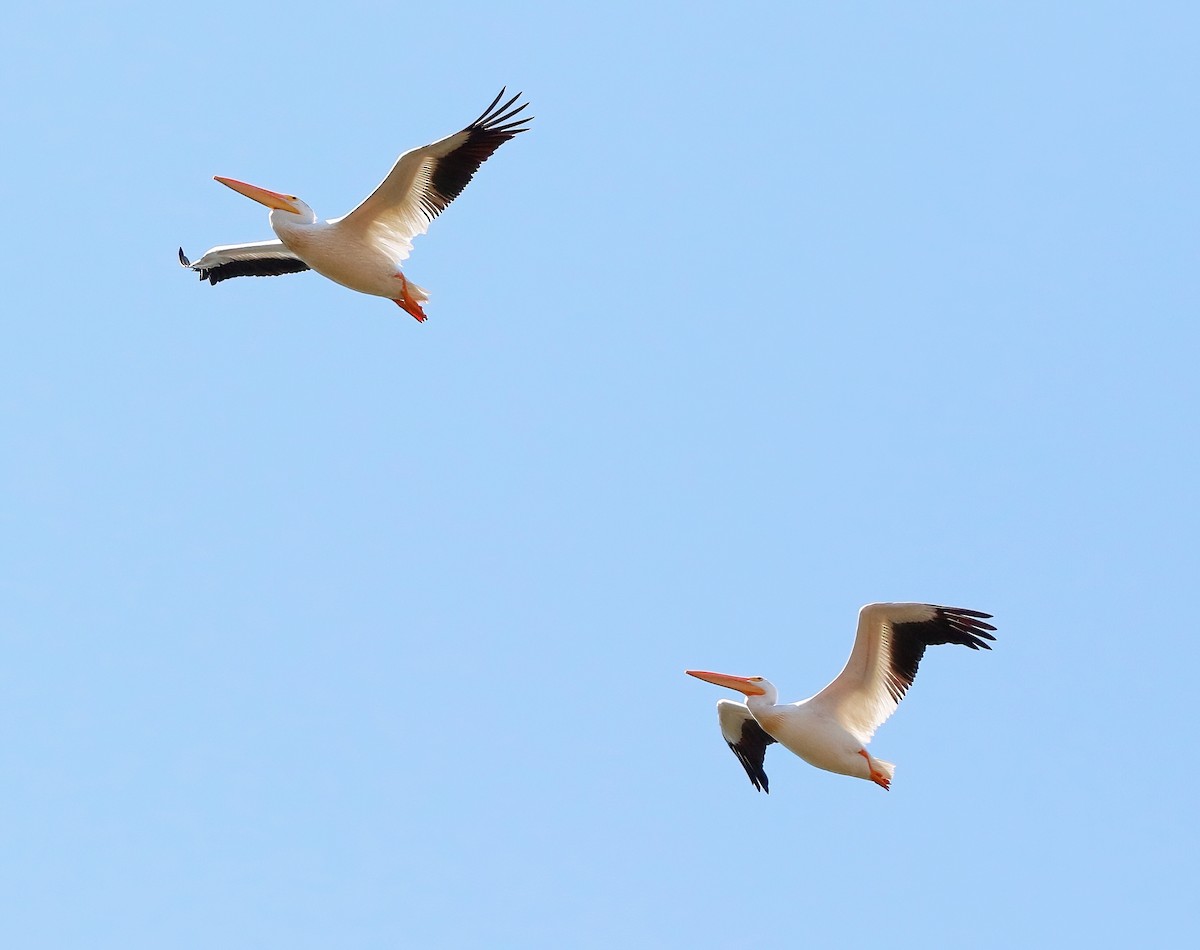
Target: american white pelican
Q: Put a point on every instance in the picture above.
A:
(831, 730)
(363, 249)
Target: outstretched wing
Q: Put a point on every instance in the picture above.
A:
(888, 647)
(746, 738)
(425, 180)
(261, 259)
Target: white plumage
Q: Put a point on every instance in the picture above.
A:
(363, 249)
(832, 729)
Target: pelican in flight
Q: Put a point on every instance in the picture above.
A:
(831, 730)
(363, 249)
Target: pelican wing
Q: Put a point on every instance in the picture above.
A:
(261, 259)
(746, 738)
(425, 180)
(888, 647)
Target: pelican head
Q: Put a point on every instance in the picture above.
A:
(272, 199)
(752, 686)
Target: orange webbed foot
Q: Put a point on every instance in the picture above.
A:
(407, 303)
(879, 778)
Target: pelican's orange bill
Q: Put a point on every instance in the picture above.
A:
(743, 684)
(272, 199)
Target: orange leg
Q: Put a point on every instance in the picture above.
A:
(876, 776)
(405, 302)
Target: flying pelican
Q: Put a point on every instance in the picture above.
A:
(363, 249)
(831, 729)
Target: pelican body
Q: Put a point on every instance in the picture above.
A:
(363, 249)
(831, 730)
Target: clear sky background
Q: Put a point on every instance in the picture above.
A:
(322, 628)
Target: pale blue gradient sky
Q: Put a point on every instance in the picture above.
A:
(322, 628)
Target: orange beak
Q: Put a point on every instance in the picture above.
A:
(272, 199)
(743, 684)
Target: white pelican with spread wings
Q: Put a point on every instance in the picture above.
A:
(363, 249)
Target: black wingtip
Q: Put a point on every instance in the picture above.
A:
(754, 769)
(979, 614)
(183, 259)
(495, 115)
(969, 622)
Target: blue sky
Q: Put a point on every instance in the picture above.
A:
(323, 628)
